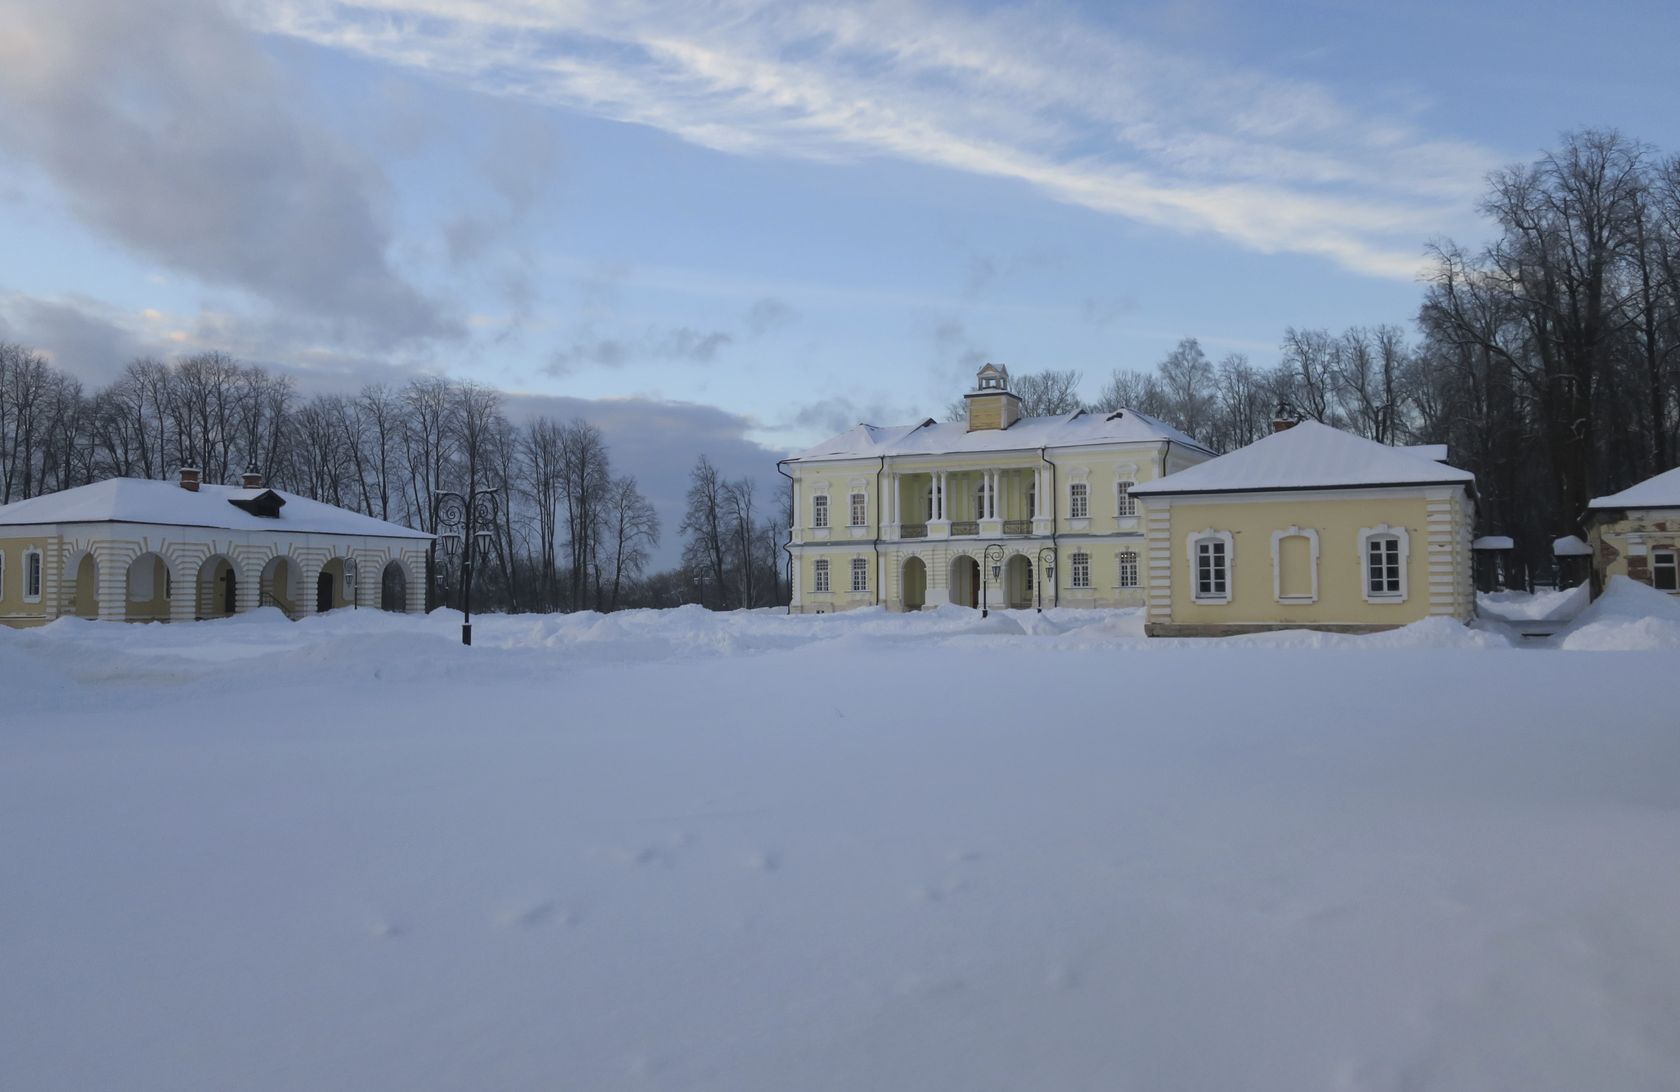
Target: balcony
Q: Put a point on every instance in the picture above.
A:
(912, 530)
(965, 528)
(1017, 526)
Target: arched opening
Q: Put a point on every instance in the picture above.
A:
(965, 581)
(1017, 582)
(393, 588)
(217, 588)
(332, 587)
(147, 589)
(279, 585)
(84, 600)
(913, 584)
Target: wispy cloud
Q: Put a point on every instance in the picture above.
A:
(1030, 94)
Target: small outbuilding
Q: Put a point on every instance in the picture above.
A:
(1636, 533)
(1492, 555)
(1310, 527)
(138, 550)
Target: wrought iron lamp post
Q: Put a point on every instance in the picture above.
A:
(463, 524)
(994, 563)
(1047, 566)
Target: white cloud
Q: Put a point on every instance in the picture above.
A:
(1033, 95)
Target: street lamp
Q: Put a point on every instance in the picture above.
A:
(1046, 562)
(994, 559)
(463, 526)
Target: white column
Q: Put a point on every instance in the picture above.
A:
(183, 605)
(939, 496)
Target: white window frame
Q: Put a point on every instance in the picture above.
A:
(1032, 499)
(1079, 570)
(819, 512)
(1311, 535)
(1079, 500)
(1383, 530)
(860, 574)
(858, 503)
(1124, 568)
(1673, 556)
(819, 576)
(1125, 505)
(1192, 543)
(32, 559)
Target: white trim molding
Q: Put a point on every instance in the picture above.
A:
(40, 574)
(1405, 540)
(1292, 531)
(1191, 541)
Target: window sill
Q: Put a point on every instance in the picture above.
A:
(819, 532)
(1078, 523)
(1211, 601)
(859, 532)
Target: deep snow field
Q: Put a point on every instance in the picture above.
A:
(677, 850)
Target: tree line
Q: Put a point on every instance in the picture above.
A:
(1548, 360)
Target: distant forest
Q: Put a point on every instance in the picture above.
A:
(1548, 361)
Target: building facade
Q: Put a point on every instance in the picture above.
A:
(148, 551)
(1310, 528)
(998, 510)
(1636, 534)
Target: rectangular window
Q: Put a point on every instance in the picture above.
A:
(1079, 500)
(1081, 577)
(1124, 505)
(1213, 576)
(1665, 570)
(32, 576)
(819, 574)
(860, 510)
(1128, 568)
(819, 511)
(1383, 565)
(860, 575)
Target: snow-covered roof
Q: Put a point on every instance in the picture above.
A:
(1570, 546)
(931, 437)
(138, 500)
(1493, 542)
(1662, 491)
(1309, 455)
(1433, 452)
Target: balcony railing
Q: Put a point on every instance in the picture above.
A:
(965, 527)
(1017, 526)
(912, 530)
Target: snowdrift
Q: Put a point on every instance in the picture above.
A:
(1629, 616)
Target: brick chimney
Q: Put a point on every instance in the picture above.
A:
(189, 478)
(1284, 418)
(251, 479)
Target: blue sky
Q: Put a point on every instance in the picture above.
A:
(788, 217)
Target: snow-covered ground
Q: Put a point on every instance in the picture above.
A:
(676, 850)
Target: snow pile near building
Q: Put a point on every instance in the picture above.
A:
(753, 853)
(1546, 605)
(1628, 616)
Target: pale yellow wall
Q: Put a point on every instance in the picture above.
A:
(1341, 597)
(13, 609)
(1617, 543)
(154, 608)
(84, 601)
(840, 596)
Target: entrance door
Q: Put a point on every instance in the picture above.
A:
(230, 594)
(323, 593)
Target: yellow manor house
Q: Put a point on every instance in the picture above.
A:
(1308, 527)
(999, 510)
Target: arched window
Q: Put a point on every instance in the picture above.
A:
(1210, 565)
(1128, 569)
(1383, 552)
(1079, 500)
(1124, 504)
(1080, 576)
(819, 574)
(860, 575)
(32, 576)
